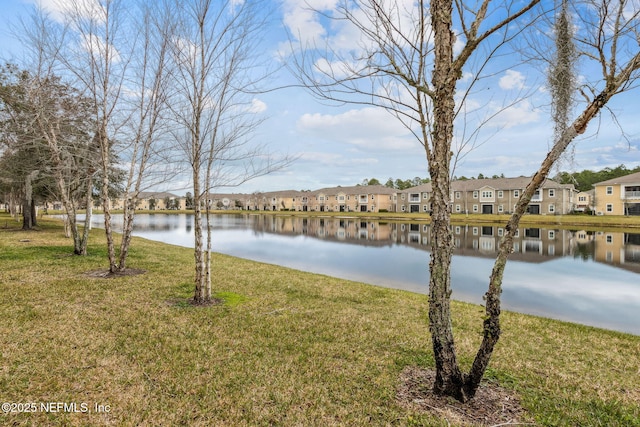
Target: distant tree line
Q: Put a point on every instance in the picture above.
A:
(398, 184)
(584, 180)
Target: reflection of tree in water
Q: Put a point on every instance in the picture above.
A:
(585, 251)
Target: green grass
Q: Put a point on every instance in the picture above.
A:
(285, 348)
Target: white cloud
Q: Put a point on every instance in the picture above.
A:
(302, 20)
(367, 128)
(512, 80)
(61, 8)
(516, 115)
(257, 106)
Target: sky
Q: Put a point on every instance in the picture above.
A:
(343, 145)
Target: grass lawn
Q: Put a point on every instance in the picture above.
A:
(287, 347)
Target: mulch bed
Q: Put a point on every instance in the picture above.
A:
(492, 405)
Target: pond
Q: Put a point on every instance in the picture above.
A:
(592, 278)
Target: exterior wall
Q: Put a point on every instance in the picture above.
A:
(363, 198)
(415, 199)
(499, 196)
(584, 201)
(145, 198)
(618, 196)
(609, 199)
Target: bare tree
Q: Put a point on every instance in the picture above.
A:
(413, 56)
(148, 151)
(116, 52)
(95, 49)
(217, 68)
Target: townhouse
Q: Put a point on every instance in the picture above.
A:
(618, 196)
(149, 200)
(489, 196)
(500, 195)
(584, 201)
(359, 198)
(415, 199)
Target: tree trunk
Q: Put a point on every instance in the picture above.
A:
(449, 379)
(87, 220)
(105, 158)
(28, 210)
(199, 296)
(491, 327)
(127, 230)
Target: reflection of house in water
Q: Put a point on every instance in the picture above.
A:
(618, 249)
(339, 229)
(529, 244)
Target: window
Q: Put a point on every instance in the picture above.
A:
(609, 190)
(475, 194)
(458, 208)
(500, 209)
(475, 231)
(609, 238)
(500, 194)
(487, 194)
(582, 199)
(500, 231)
(552, 208)
(458, 195)
(609, 207)
(516, 193)
(552, 192)
(552, 234)
(425, 196)
(425, 208)
(457, 229)
(475, 208)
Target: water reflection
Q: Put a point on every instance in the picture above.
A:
(576, 275)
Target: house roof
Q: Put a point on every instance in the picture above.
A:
(632, 178)
(517, 183)
(156, 195)
(356, 189)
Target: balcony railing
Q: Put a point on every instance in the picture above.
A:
(632, 194)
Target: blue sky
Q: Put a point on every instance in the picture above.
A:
(343, 145)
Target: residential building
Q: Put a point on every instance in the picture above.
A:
(618, 196)
(150, 200)
(584, 201)
(500, 196)
(415, 199)
(359, 198)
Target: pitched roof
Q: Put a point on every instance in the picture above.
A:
(357, 189)
(156, 195)
(517, 183)
(632, 178)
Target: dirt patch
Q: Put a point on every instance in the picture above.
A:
(106, 274)
(492, 405)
